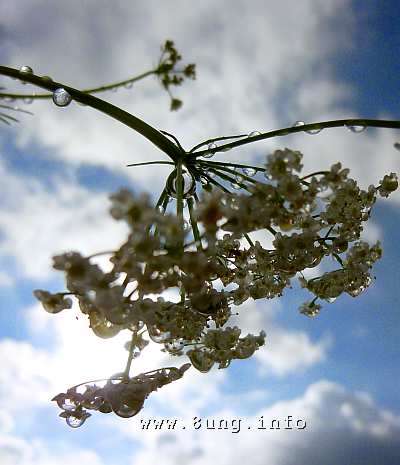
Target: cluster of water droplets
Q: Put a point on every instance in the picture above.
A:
(309, 131)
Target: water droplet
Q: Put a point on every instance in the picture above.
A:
(128, 85)
(186, 225)
(189, 185)
(249, 171)
(67, 404)
(61, 97)
(75, 422)
(160, 209)
(28, 100)
(267, 176)
(26, 69)
(254, 133)
(158, 336)
(227, 149)
(114, 89)
(314, 131)
(9, 99)
(136, 353)
(209, 153)
(175, 346)
(239, 178)
(396, 145)
(126, 410)
(331, 299)
(235, 185)
(211, 174)
(47, 78)
(356, 129)
(298, 123)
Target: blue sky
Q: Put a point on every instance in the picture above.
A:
(260, 67)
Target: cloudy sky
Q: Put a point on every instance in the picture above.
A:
(261, 65)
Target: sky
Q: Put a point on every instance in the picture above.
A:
(261, 65)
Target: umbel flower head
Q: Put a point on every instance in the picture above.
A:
(311, 217)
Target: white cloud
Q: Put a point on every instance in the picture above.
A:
(15, 450)
(38, 222)
(6, 280)
(286, 351)
(341, 427)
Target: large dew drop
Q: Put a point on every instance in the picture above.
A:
(210, 153)
(396, 145)
(61, 97)
(75, 422)
(356, 129)
(25, 70)
(249, 171)
(254, 133)
(314, 131)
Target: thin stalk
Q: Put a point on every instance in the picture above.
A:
(307, 127)
(209, 141)
(9, 107)
(160, 162)
(193, 222)
(4, 115)
(130, 358)
(237, 165)
(229, 170)
(147, 131)
(229, 178)
(91, 90)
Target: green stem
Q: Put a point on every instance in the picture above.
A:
(209, 141)
(147, 131)
(307, 127)
(229, 178)
(229, 170)
(237, 165)
(91, 90)
(193, 222)
(161, 162)
(130, 358)
(314, 174)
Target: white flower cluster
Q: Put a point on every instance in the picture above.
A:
(123, 396)
(150, 263)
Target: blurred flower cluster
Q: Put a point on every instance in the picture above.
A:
(324, 212)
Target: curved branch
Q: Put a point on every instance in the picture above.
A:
(307, 127)
(91, 90)
(147, 131)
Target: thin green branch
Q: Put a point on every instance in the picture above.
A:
(209, 141)
(307, 127)
(229, 170)
(147, 131)
(9, 107)
(158, 162)
(91, 90)
(236, 165)
(175, 139)
(193, 222)
(229, 178)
